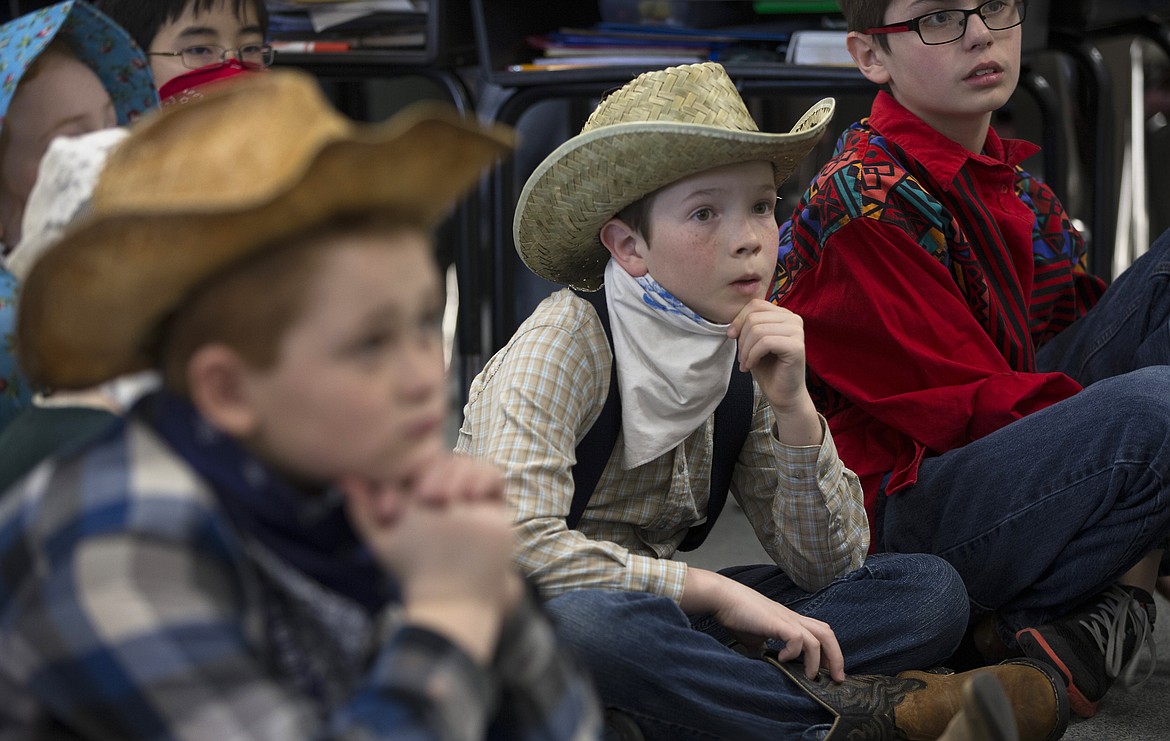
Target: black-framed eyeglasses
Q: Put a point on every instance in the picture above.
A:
(945, 26)
(199, 56)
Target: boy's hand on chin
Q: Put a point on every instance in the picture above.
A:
(452, 478)
(438, 481)
(443, 533)
(771, 346)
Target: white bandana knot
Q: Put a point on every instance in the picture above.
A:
(673, 365)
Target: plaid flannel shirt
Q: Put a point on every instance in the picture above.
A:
(537, 398)
(130, 607)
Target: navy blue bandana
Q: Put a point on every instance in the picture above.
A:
(306, 528)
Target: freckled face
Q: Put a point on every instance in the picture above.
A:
(713, 238)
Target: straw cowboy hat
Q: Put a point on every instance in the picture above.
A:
(660, 127)
(195, 189)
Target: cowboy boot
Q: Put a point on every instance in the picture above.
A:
(918, 705)
(985, 713)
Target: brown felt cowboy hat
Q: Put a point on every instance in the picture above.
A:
(660, 127)
(197, 188)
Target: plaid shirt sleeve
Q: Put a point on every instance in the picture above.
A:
(527, 410)
(124, 614)
(805, 506)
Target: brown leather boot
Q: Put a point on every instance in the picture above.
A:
(918, 705)
(985, 713)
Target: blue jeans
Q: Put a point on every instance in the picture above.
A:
(677, 678)
(1046, 512)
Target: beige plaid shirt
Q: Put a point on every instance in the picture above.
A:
(538, 397)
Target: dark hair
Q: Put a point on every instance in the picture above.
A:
(863, 14)
(637, 215)
(143, 18)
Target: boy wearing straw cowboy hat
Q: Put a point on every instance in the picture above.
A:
(274, 545)
(666, 200)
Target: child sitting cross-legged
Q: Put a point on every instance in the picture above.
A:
(666, 200)
(1002, 409)
(275, 545)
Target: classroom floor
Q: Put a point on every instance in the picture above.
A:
(1139, 714)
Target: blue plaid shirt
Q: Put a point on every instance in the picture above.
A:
(131, 607)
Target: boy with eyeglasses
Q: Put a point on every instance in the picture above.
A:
(1001, 408)
(191, 43)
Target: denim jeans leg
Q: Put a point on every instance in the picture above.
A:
(676, 682)
(1129, 328)
(1052, 508)
(896, 612)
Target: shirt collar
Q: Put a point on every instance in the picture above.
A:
(941, 156)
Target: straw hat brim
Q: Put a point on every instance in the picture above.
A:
(590, 178)
(91, 307)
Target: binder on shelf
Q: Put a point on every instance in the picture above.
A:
(819, 47)
(503, 29)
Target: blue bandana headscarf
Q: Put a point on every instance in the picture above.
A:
(108, 50)
(98, 42)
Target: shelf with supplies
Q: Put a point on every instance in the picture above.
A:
(370, 32)
(518, 43)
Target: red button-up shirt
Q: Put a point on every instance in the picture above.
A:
(927, 276)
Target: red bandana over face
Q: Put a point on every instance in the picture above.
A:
(186, 87)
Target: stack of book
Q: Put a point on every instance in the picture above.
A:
(654, 45)
(341, 25)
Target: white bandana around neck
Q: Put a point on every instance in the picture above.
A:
(673, 365)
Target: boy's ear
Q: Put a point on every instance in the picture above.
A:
(217, 383)
(625, 245)
(868, 56)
